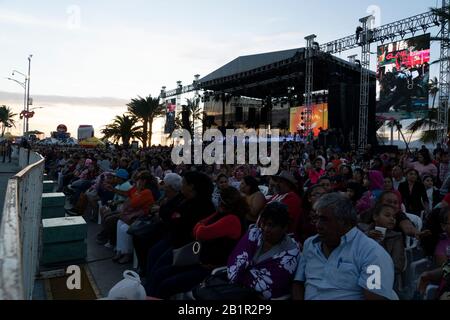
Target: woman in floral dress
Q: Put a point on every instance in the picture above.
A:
(266, 257)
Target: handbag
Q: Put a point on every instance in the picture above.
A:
(143, 226)
(217, 287)
(130, 215)
(188, 255)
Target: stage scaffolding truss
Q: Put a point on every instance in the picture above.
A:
(364, 37)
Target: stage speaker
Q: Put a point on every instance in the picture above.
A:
(239, 115)
(264, 114)
(251, 116)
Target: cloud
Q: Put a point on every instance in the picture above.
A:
(274, 20)
(52, 100)
(16, 18)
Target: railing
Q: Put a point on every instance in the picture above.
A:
(19, 229)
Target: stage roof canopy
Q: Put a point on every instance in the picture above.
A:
(272, 73)
(247, 63)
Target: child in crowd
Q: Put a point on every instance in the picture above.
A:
(382, 230)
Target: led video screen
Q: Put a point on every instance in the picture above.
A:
(319, 118)
(403, 73)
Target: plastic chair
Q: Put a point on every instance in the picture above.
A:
(415, 270)
(430, 293)
(264, 190)
(417, 222)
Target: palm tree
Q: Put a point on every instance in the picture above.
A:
(433, 89)
(123, 128)
(193, 113)
(146, 110)
(6, 118)
(428, 125)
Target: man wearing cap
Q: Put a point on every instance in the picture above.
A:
(122, 185)
(285, 187)
(110, 214)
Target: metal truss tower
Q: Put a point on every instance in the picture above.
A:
(309, 82)
(444, 77)
(364, 38)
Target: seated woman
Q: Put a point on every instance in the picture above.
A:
(265, 259)
(139, 204)
(442, 251)
(383, 217)
(197, 190)
(168, 205)
(254, 197)
(218, 235)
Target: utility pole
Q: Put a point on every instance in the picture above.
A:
(28, 92)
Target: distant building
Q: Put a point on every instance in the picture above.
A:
(85, 132)
(61, 133)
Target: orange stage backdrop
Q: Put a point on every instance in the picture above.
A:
(319, 118)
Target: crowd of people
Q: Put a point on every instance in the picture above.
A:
(6, 149)
(319, 229)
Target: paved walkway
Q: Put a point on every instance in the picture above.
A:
(7, 170)
(105, 272)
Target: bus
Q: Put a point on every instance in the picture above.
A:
(85, 132)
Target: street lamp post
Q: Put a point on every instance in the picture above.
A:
(28, 88)
(24, 86)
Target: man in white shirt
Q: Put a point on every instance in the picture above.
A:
(341, 262)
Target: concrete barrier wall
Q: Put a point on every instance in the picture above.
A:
(20, 228)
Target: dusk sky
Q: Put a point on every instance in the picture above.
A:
(91, 57)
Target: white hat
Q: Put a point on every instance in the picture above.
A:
(130, 288)
(173, 180)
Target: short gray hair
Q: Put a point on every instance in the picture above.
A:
(341, 207)
(174, 181)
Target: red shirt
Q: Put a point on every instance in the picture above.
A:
(226, 227)
(314, 175)
(142, 200)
